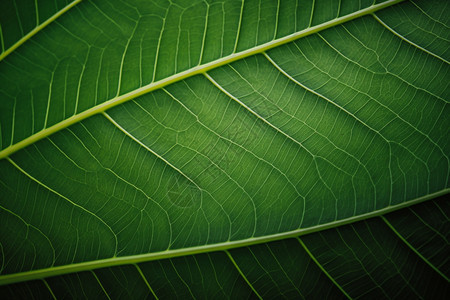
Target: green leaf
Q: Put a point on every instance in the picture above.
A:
(205, 149)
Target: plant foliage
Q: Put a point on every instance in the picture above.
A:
(224, 149)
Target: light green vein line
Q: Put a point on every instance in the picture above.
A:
(242, 274)
(188, 73)
(322, 268)
(408, 41)
(429, 16)
(37, 29)
(3, 261)
(182, 280)
(443, 236)
(49, 288)
(101, 285)
(28, 225)
(67, 199)
(37, 12)
(312, 12)
(145, 280)
(171, 253)
(414, 249)
(147, 148)
(202, 48)
(239, 27)
(1, 38)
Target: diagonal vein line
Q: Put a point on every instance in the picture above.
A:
(426, 14)
(101, 285)
(67, 199)
(205, 27)
(246, 150)
(131, 259)
(37, 29)
(2, 39)
(124, 54)
(267, 271)
(268, 123)
(216, 84)
(281, 268)
(181, 279)
(442, 236)
(189, 73)
(170, 165)
(408, 41)
(359, 260)
(349, 60)
(321, 96)
(147, 148)
(413, 249)
(377, 132)
(322, 268)
(49, 288)
(28, 225)
(314, 156)
(242, 274)
(145, 280)
(241, 13)
(376, 101)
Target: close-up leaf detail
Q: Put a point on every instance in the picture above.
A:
(226, 149)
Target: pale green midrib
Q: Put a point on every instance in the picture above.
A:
(33, 32)
(186, 74)
(134, 259)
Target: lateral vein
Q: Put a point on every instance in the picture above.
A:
(413, 249)
(172, 253)
(186, 74)
(37, 29)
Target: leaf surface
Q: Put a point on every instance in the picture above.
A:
(205, 149)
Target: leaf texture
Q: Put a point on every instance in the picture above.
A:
(234, 149)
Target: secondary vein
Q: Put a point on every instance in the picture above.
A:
(200, 69)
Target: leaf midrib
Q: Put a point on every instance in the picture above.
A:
(200, 69)
(134, 259)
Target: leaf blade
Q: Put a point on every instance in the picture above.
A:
(293, 141)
